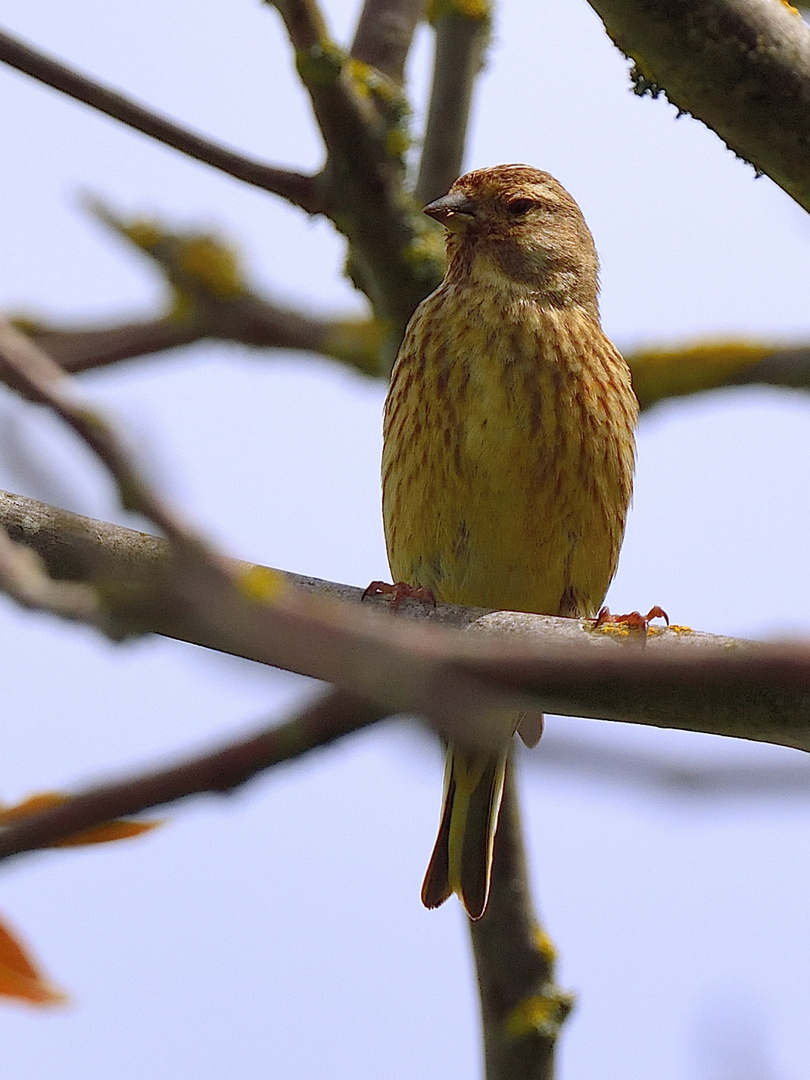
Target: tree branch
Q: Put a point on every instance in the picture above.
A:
(681, 679)
(209, 298)
(302, 191)
(462, 32)
(396, 255)
(384, 34)
(660, 374)
(662, 775)
(219, 772)
(522, 1008)
(740, 66)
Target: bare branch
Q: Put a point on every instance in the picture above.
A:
(243, 320)
(660, 374)
(24, 578)
(462, 32)
(384, 34)
(681, 679)
(31, 373)
(209, 298)
(740, 66)
(522, 1008)
(660, 775)
(396, 256)
(85, 348)
(303, 191)
(329, 718)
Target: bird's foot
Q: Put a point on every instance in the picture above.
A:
(633, 620)
(400, 591)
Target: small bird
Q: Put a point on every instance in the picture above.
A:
(508, 453)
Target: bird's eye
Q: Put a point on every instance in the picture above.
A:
(517, 207)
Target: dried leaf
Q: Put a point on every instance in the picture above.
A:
(121, 829)
(19, 976)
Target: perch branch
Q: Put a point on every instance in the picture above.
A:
(719, 685)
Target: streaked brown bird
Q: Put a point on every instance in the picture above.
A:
(509, 450)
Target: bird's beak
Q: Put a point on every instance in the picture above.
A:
(455, 211)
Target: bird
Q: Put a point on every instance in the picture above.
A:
(508, 451)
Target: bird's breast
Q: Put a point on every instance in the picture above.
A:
(508, 457)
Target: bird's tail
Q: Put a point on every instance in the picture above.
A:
(462, 856)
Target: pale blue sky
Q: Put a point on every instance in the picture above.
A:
(280, 932)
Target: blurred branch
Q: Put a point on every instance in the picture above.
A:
(82, 349)
(740, 66)
(384, 34)
(660, 374)
(303, 191)
(658, 774)
(219, 772)
(24, 578)
(462, 31)
(209, 297)
(522, 1008)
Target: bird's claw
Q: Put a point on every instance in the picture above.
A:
(633, 620)
(400, 591)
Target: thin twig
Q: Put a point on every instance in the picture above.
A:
(301, 190)
(218, 772)
(460, 43)
(24, 578)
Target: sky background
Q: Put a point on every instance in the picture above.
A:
(279, 932)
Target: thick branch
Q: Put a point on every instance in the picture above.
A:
(384, 34)
(462, 32)
(740, 66)
(302, 191)
(683, 680)
(219, 772)
(522, 1008)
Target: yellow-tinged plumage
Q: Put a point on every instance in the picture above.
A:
(509, 449)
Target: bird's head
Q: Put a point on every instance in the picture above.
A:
(516, 224)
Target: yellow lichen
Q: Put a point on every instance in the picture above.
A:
(261, 583)
(211, 263)
(663, 373)
(144, 232)
(544, 945)
(359, 342)
(470, 9)
(540, 1013)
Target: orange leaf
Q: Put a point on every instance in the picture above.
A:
(19, 976)
(120, 829)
